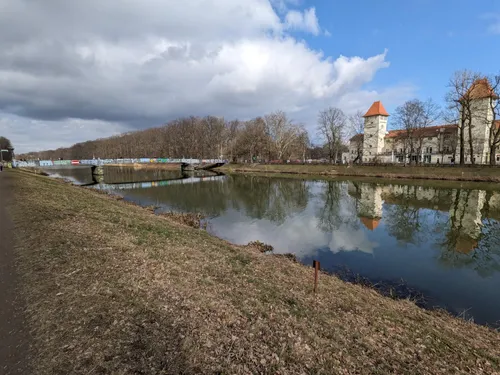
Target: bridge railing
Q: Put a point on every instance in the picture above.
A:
(98, 162)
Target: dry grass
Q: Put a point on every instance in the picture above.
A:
(479, 174)
(114, 289)
(190, 219)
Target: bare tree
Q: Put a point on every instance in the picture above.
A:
(302, 143)
(331, 127)
(5, 144)
(460, 103)
(413, 117)
(494, 126)
(281, 131)
(356, 129)
(232, 133)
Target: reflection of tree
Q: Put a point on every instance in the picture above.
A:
(455, 234)
(462, 248)
(403, 222)
(485, 259)
(336, 207)
(274, 199)
(207, 197)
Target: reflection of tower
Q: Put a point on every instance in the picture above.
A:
(465, 217)
(370, 205)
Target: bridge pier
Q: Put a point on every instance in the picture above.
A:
(97, 170)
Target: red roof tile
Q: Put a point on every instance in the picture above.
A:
(377, 109)
(481, 89)
(428, 131)
(370, 223)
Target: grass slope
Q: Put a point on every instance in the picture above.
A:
(112, 288)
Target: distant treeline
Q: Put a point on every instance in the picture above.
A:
(272, 137)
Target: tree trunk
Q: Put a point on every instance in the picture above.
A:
(462, 145)
(493, 154)
(471, 145)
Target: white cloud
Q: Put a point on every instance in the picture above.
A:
(303, 21)
(120, 65)
(495, 27)
(494, 22)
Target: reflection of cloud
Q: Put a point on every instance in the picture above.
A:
(299, 234)
(347, 239)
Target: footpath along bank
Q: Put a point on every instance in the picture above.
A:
(113, 288)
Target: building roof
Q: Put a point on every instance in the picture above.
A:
(466, 245)
(377, 109)
(370, 223)
(428, 131)
(481, 89)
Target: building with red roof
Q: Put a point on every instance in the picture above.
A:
(433, 144)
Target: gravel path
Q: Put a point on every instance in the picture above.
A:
(13, 331)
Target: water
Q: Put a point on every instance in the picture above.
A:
(442, 241)
(82, 175)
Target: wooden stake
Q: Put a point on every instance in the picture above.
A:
(316, 271)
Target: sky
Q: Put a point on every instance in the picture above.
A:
(77, 70)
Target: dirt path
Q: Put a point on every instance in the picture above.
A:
(13, 331)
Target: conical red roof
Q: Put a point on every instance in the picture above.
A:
(370, 223)
(377, 109)
(481, 89)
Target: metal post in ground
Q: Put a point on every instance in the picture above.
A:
(316, 266)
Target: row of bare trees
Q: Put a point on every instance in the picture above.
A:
(272, 137)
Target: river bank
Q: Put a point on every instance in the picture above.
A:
(446, 173)
(117, 289)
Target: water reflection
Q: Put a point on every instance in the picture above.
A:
(444, 242)
(122, 175)
(75, 175)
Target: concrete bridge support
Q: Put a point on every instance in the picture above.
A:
(97, 170)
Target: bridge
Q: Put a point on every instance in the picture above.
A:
(97, 164)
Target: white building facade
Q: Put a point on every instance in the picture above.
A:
(430, 145)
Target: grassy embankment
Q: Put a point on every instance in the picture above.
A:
(482, 174)
(112, 288)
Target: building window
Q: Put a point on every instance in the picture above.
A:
(430, 150)
(498, 158)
